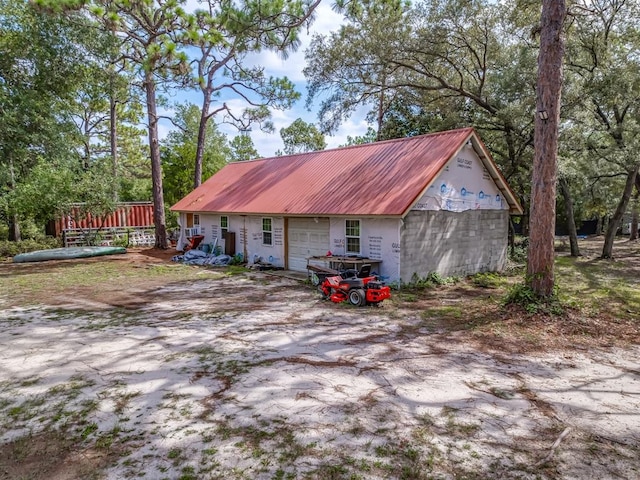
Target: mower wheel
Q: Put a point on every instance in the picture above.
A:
(322, 294)
(357, 297)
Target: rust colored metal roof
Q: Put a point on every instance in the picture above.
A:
(382, 178)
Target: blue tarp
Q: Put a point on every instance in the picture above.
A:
(198, 257)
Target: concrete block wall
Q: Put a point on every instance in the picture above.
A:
(453, 243)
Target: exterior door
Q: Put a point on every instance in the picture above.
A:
(307, 237)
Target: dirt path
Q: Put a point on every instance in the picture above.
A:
(254, 377)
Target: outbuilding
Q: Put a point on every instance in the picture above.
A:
(417, 205)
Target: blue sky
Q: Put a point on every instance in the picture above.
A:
(326, 20)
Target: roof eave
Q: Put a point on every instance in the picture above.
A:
(514, 205)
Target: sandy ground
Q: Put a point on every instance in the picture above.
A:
(254, 377)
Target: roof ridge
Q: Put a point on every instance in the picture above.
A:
(360, 145)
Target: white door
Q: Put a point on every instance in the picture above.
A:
(307, 238)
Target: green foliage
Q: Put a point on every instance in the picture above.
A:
(242, 148)
(369, 137)
(41, 69)
(487, 280)
(518, 254)
(121, 240)
(518, 251)
(522, 294)
(431, 66)
(222, 36)
(431, 280)
(54, 92)
(179, 151)
(11, 249)
(300, 137)
(237, 260)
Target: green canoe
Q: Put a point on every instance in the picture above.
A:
(66, 253)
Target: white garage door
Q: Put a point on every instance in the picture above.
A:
(307, 238)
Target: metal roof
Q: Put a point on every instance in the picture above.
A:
(382, 178)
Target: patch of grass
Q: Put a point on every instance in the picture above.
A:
(123, 400)
(599, 286)
(488, 280)
(27, 410)
(30, 284)
(106, 440)
(88, 430)
(445, 311)
(518, 254)
(456, 427)
(233, 270)
(30, 381)
(73, 388)
(333, 471)
(407, 297)
(188, 473)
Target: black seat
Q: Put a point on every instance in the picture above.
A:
(365, 270)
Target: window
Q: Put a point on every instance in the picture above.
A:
(196, 219)
(224, 224)
(352, 234)
(267, 235)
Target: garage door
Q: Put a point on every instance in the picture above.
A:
(306, 238)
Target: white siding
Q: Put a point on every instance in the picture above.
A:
(379, 240)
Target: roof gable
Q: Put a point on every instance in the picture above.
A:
(382, 178)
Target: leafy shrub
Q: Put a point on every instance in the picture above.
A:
(487, 280)
(237, 259)
(11, 249)
(518, 254)
(431, 280)
(521, 294)
(121, 240)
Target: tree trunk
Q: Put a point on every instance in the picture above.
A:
(614, 223)
(87, 144)
(14, 229)
(633, 233)
(540, 271)
(635, 211)
(113, 130)
(571, 223)
(511, 236)
(524, 223)
(599, 226)
(202, 136)
(14, 222)
(156, 165)
(380, 115)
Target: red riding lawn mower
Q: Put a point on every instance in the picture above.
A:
(359, 290)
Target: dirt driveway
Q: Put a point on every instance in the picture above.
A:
(252, 376)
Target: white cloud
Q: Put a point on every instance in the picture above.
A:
(354, 126)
